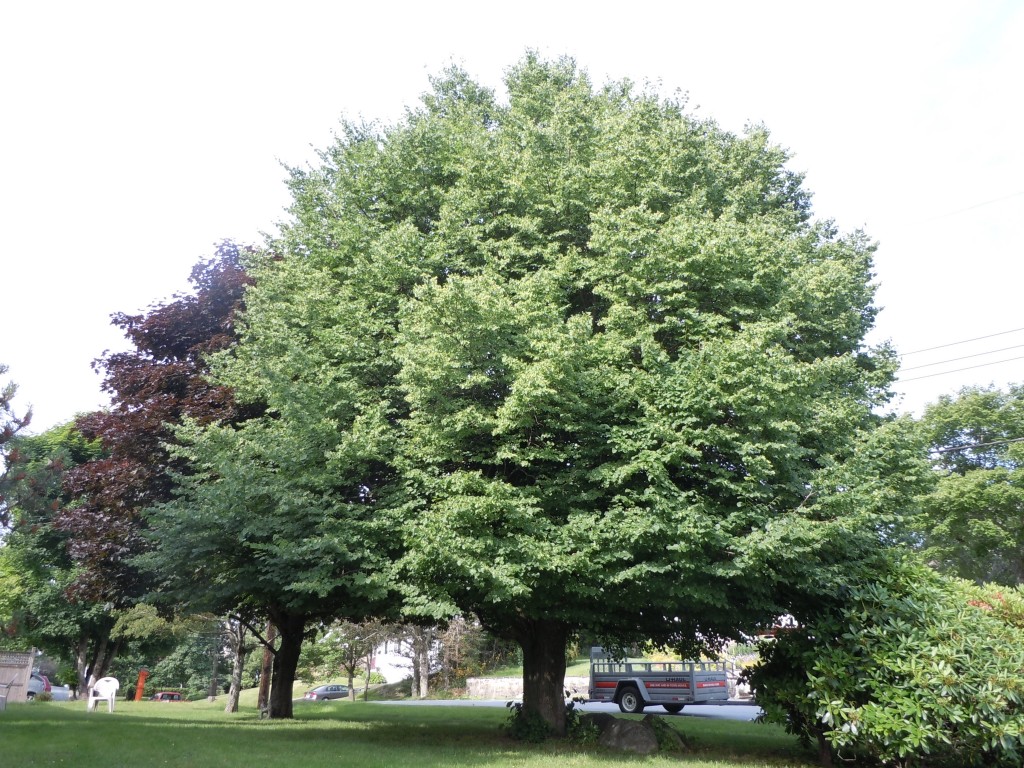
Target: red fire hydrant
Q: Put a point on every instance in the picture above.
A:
(140, 686)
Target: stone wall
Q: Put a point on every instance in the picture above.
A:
(509, 688)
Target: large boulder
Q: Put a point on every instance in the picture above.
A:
(642, 737)
(629, 736)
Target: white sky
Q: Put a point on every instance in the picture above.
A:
(136, 135)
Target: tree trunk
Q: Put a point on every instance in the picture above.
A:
(104, 656)
(237, 634)
(290, 627)
(267, 670)
(349, 664)
(82, 666)
(543, 644)
(93, 673)
(824, 750)
(422, 638)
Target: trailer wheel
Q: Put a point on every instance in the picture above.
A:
(630, 701)
(675, 709)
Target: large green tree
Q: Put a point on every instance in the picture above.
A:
(973, 521)
(585, 358)
(285, 514)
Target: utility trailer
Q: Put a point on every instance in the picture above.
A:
(634, 685)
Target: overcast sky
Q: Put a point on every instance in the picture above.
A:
(136, 135)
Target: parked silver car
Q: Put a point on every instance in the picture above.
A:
(37, 684)
(60, 692)
(327, 692)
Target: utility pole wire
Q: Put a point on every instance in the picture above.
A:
(976, 205)
(979, 445)
(957, 370)
(965, 357)
(965, 341)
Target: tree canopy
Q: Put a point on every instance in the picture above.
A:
(10, 424)
(573, 361)
(153, 386)
(34, 607)
(973, 521)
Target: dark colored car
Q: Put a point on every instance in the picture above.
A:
(326, 692)
(167, 696)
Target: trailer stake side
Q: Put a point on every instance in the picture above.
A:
(634, 685)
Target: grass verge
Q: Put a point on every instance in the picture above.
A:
(201, 735)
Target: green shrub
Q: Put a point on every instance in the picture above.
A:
(530, 726)
(914, 669)
(525, 725)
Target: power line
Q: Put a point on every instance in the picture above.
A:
(956, 448)
(957, 370)
(965, 341)
(976, 205)
(965, 357)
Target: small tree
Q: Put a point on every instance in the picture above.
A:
(973, 521)
(343, 646)
(10, 425)
(38, 609)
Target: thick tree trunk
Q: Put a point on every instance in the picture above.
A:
(543, 644)
(824, 751)
(290, 627)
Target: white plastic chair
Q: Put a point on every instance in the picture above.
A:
(105, 689)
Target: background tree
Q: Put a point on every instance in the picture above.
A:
(39, 612)
(585, 354)
(973, 521)
(292, 512)
(240, 646)
(343, 647)
(197, 663)
(10, 425)
(153, 386)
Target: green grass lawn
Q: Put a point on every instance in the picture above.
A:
(201, 735)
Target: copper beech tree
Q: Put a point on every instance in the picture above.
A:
(154, 385)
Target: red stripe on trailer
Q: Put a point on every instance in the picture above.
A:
(713, 684)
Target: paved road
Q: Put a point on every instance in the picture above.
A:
(738, 711)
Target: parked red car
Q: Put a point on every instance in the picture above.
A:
(167, 696)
